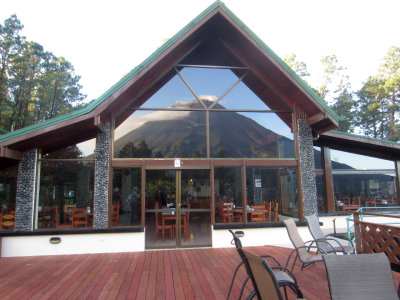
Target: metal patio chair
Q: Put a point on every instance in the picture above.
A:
(328, 243)
(360, 276)
(263, 278)
(301, 248)
(283, 276)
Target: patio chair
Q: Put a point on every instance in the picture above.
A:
(329, 244)
(283, 276)
(300, 247)
(361, 276)
(261, 275)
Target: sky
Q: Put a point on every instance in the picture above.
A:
(104, 40)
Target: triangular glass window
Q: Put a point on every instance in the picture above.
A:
(208, 83)
(173, 94)
(241, 97)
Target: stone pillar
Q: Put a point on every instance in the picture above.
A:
(307, 169)
(26, 186)
(101, 178)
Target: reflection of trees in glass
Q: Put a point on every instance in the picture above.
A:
(140, 150)
(69, 152)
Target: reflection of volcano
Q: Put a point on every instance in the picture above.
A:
(231, 135)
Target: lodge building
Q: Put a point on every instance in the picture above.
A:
(212, 126)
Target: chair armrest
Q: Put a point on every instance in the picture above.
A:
(310, 246)
(284, 269)
(273, 258)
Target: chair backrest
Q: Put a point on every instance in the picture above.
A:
(276, 211)
(295, 237)
(257, 213)
(313, 226)
(115, 214)
(361, 276)
(316, 232)
(261, 275)
(236, 240)
(79, 217)
(226, 211)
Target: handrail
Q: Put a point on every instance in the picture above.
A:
(367, 212)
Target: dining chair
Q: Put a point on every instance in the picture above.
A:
(257, 213)
(267, 210)
(68, 213)
(159, 226)
(360, 276)
(329, 244)
(301, 248)
(284, 277)
(370, 202)
(276, 211)
(115, 214)
(8, 221)
(79, 217)
(226, 211)
(185, 222)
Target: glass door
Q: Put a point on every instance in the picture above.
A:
(160, 209)
(177, 208)
(195, 196)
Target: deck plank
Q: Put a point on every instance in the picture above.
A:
(167, 274)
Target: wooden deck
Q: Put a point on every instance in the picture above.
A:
(170, 274)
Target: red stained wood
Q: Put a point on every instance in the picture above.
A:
(169, 274)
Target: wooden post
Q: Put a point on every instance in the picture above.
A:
(244, 194)
(328, 179)
(357, 233)
(397, 167)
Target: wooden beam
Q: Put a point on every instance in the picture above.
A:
(98, 123)
(10, 153)
(328, 179)
(316, 118)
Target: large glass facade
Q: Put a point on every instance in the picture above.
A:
(228, 194)
(273, 188)
(204, 112)
(8, 187)
(126, 197)
(66, 189)
(362, 181)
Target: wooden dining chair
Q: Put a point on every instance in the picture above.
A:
(185, 222)
(115, 214)
(276, 211)
(159, 226)
(79, 217)
(8, 221)
(226, 211)
(257, 213)
(68, 213)
(370, 202)
(267, 210)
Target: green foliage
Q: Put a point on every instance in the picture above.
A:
(35, 85)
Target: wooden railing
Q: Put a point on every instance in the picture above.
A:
(373, 237)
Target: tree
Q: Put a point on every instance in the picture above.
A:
(389, 74)
(34, 85)
(378, 107)
(370, 117)
(298, 66)
(10, 46)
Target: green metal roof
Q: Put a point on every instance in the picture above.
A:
(366, 138)
(95, 103)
